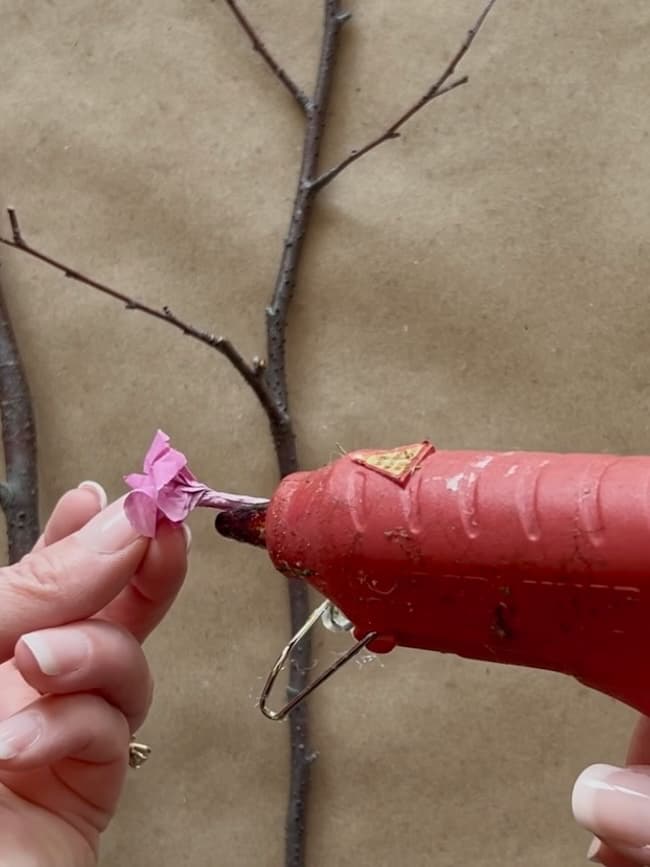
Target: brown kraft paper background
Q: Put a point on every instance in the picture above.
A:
(482, 281)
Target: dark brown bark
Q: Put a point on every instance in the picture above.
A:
(19, 493)
(284, 438)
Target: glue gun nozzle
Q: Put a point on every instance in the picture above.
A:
(245, 524)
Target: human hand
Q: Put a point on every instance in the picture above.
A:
(74, 682)
(614, 804)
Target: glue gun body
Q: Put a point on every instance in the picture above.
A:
(520, 558)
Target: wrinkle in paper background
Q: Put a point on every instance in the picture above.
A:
(483, 282)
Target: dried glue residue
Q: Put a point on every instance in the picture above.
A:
(364, 658)
(453, 484)
(484, 462)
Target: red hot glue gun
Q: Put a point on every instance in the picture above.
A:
(523, 558)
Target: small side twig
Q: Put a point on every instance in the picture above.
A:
(15, 228)
(438, 88)
(19, 493)
(296, 92)
(221, 344)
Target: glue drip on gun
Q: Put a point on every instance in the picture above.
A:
(522, 558)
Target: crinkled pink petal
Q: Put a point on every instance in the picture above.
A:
(162, 462)
(174, 503)
(186, 476)
(158, 447)
(137, 480)
(166, 469)
(142, 513)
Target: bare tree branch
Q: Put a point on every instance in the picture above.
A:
(283, 434)
(285, 282)
(248, 371)
(439, 88)
(299, 95)
(19, 494)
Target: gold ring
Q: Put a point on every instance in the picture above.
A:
(138, 753)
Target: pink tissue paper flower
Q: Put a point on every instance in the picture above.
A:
(167, 488)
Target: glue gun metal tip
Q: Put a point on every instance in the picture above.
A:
(244, 524)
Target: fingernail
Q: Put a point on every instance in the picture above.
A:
(58, 651)
(188, 537)
(593, 850)
(614, 803)
(109, 531)
(97, 489)
(18, 733)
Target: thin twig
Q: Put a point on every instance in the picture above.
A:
(298, 94)
(284, 440)
(221, 344)
(439, 88)
(15, 228)
(19, 494)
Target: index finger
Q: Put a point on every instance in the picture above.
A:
(74, 509)
(143, 603)
(71, 579)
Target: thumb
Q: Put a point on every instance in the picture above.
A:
(614, 804)
(71, 579)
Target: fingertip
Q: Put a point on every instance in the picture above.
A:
(586, 789)
(155, 585)
(593, 852)
(171, 534)
(615, 855)
(168, 553)
(80, 726)
(97, 490)
(110, 531)
(73, 510)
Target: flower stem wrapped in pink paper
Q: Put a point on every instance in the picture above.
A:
(168, 489)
